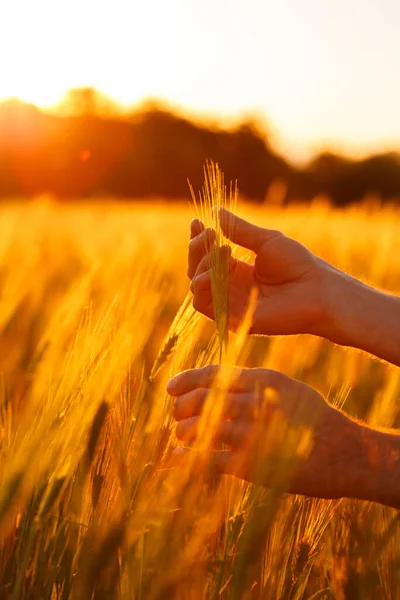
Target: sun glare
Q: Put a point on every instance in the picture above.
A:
(40, 94)
(53, 50)
(216, 58)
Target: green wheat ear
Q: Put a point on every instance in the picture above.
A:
(183, 321)
(211, 198)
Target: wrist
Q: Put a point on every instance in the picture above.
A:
(336, 289)
(348, 308)
(335, 467)
(348, 465)
(351, 460)
(345, 307)
(374, 467)
(365, 464)
(360, 316)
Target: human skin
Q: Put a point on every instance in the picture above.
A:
(347, 458)
(298, 292)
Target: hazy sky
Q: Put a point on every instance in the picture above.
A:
(323, 72)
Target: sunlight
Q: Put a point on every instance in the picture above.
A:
(81, 48)
(278, 60)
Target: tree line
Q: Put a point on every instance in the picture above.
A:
(92, 150)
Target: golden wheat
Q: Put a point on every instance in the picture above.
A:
(90, 504)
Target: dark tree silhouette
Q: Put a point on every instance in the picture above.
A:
(89, 149)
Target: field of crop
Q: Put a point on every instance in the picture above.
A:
(90, 504)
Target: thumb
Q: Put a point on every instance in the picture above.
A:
(242, 232)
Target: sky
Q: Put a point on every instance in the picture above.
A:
(320, 73)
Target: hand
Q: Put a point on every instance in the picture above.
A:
(290, 279)
(261, 431)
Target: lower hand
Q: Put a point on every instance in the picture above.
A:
(251, 425)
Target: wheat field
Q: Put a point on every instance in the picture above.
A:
(90, 504)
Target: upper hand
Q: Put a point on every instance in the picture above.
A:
(290, 279)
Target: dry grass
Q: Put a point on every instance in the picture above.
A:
(89, 503)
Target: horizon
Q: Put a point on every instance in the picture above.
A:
(318, 77)
(211, 121)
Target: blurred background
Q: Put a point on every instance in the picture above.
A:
(127, 99)
(106, 109)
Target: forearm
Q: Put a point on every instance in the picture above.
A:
(373, 466)
(362, 317)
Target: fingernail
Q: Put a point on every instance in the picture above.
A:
(196, 226)
(171, 385)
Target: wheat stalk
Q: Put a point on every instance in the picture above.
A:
(183, 320)
(212, 197)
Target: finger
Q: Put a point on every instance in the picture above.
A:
(203, 266)
(209, 463)
(241, 380)
(187, 430)
(191, 379)
(202, 463)
(199, 246)
(225, 462)
(243, 233)
(196, 227)
(215, 257)
(233, 433)
(229, 462)
(202, 296)
(190, 404)
(246, 465)
(201, 283)
(242, 405)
